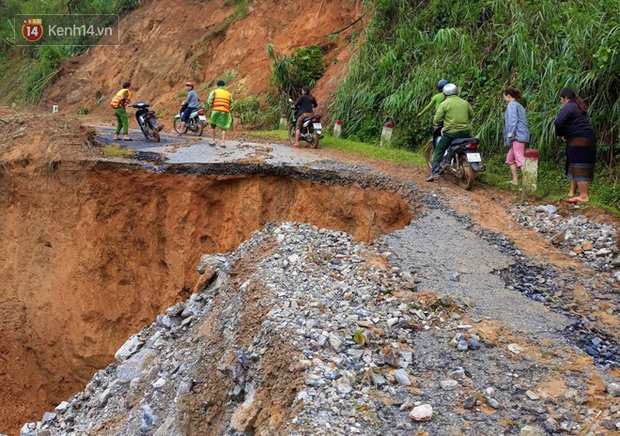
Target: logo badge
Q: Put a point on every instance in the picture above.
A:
(32, 29)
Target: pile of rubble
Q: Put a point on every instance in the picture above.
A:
(594, 243)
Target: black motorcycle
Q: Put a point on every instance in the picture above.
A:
(462, 159)
(311, 128)
(147, 120)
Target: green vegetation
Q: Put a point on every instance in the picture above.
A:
(484, 45)
(26, 71)
(355, 147)
(304, 67)
(242, 9)
(111, 150)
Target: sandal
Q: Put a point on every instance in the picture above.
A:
(212, 144)
(575, 200)
(127, 139)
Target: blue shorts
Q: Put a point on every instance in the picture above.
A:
(186, 113)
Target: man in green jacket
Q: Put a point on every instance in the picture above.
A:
(456, 114)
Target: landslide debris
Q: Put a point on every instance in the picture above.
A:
(35, 139)
(303, 331)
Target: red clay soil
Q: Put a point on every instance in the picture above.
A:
(165, 44)
(90, 256)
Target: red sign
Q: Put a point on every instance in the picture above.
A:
(32, 29)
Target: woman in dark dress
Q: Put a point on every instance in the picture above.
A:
(573, 125)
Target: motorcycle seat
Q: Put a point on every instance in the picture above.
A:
(463, 141)
(140, 105)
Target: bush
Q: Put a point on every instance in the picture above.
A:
(289, 74)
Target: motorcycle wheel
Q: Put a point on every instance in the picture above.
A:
(155, 133)
(466, 181)
(177, 125)
(315, 140)
(429, 152)
(199, 128)
(146, 131)
(291, 135)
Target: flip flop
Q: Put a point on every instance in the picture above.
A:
(575, 200)
(116, 139)
(128, 139)
(212, 144)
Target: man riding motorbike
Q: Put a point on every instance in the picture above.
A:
(456, 114)
(190, 103)
(304, 108)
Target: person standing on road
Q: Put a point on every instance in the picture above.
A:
(516, 132)
(119, 102)
(434, 104)
(304, 108)
(573, 126)
(455, 113)
(220, 100)
(190, 103)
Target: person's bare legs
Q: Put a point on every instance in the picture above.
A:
(515, 175)
(297, 135)
(223, 144)
(573, 188)
(212, 136)
(583, 191)
(182, 129)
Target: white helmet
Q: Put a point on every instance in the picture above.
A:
(449, 89)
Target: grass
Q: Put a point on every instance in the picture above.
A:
(113, 151)
(354, 147)
(552, 184)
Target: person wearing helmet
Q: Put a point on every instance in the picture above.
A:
(437, 98)
(189, 105)
(456, 114)
(434, 104)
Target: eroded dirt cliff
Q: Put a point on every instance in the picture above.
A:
(164, 44)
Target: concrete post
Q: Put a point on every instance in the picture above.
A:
(530, 173)
(386, 134)
(283, 122)
(337, 129)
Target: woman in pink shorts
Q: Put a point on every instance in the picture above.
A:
(516, 132)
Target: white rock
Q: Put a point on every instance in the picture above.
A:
(159, 383)
(530, 431)
(335, 341)
(422, 413)
(402, 377)
(515, 349)
(392, 322)
(449, 385)
(614, 389)
(129, 348)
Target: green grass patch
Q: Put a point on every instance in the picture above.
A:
(112, 151)
(354, 147)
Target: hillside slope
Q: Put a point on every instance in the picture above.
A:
(164, 44)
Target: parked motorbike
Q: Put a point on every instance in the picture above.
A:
(147, 120)
(196, 123)
(462, 159)
(311, 129)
